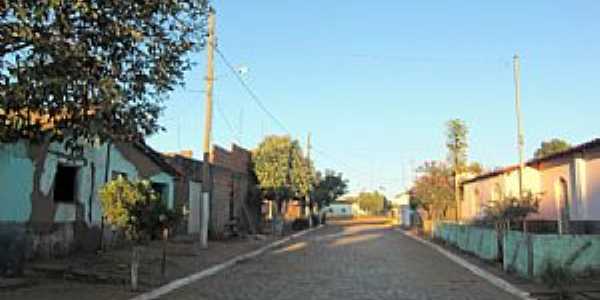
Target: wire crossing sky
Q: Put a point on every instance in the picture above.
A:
(376, 83)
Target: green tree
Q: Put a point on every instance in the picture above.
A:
(433, 189)
(91, 70)
(457, 144)
(282, 171)
(551, 147)
(135, 208)
(372, 202)
(329, 187)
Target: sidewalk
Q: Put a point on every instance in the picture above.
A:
(106, 276)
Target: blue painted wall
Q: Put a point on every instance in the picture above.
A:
(16, 182)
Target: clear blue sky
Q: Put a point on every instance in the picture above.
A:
(375, 81)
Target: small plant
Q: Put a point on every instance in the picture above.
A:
(316, 220)
(558, 277)
(300, 224)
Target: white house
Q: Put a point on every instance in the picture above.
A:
(343, 209)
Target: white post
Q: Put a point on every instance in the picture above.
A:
(204, 215)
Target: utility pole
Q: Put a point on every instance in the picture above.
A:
(210, 50)
(307, 200)
(206, 178)
(520, 136)
(456, 183)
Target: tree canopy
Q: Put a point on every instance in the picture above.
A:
(329, 187)
(283, 172)
(372, 202)
(551, 147)
(457, 144)
(92, 69)
(433, 189)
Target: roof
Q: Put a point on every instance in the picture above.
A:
(157, 158)
(576, 149)
(595, 143)
(493, 173)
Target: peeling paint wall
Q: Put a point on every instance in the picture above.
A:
(30, 216)
(16, 182)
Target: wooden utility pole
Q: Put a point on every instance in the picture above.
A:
(307, 200)
(210, 50)
(456, 183)
(206, 177)
(520, 137)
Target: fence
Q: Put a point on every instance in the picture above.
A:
(481, 242)
(525, 253)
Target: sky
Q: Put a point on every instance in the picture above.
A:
(375, 84)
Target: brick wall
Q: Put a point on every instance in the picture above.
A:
(231, 181)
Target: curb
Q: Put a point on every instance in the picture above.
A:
(491, 278)
(178, 283)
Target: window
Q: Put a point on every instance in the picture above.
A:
(343, 210)
(161, 190)
(498, 194)
(476, 204)
(65, 183)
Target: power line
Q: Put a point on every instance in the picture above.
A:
(229, 125)
(250, 92)
(261, 105)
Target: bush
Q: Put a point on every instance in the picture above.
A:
(136, 208)
(558, 277)
(300, 224)
(315, 219)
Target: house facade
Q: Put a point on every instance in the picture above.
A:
(50, 196)
(230, 182)
(567, 184)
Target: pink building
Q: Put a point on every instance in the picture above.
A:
(568, 184)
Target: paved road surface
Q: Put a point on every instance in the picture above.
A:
(345, 261)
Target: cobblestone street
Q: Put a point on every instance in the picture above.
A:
(345, 261)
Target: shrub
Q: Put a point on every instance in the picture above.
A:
(316, 220)
(300, 224)
(558, 277)
(136, 208)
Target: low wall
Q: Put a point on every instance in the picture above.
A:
(517, 250)
(481, 242)
(527, 254)
(524, 253)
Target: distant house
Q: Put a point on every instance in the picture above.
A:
(568, 184)
(343, 209)
(401, 204)
(50, 196)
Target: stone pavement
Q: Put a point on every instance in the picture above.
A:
(345, 261)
